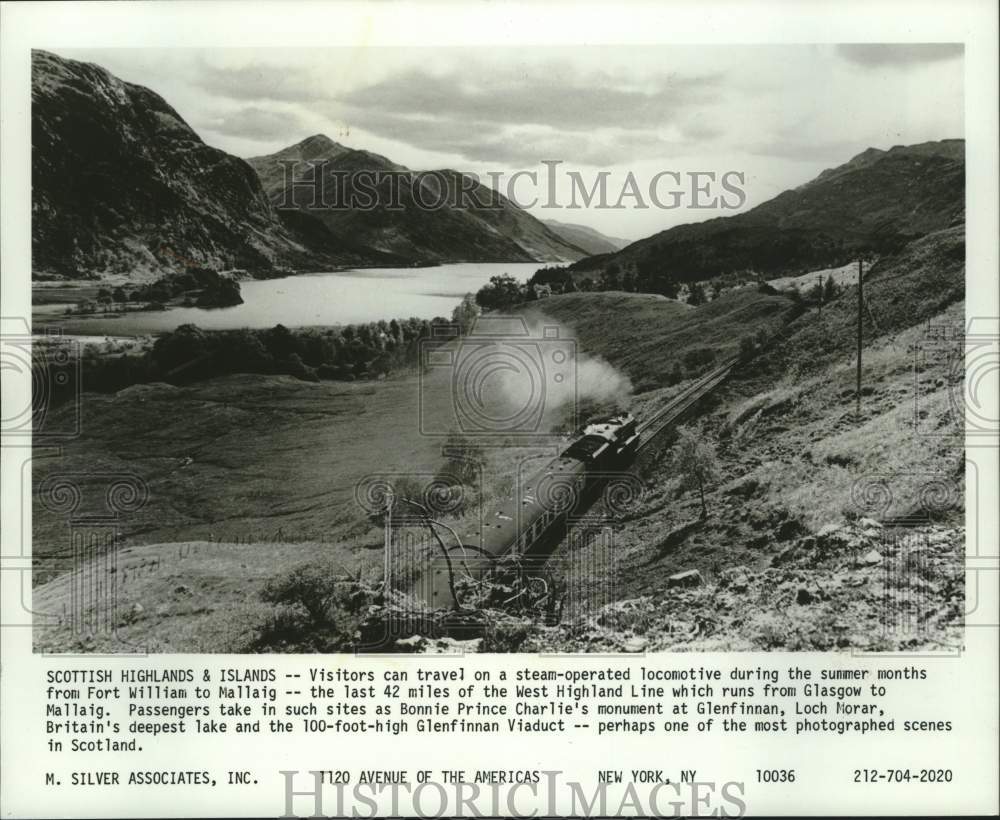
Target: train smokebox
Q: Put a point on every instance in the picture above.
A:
(606, 439)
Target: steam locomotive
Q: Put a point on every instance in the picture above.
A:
(526, 525)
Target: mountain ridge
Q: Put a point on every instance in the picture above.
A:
(491, 229)
(876, 202)
(122, 185)
(587, 238)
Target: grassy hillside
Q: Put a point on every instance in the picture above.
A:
(900, 291)
(646, 335)
(239, 458)
(195, 596)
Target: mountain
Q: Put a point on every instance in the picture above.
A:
(878, 201)
(590, 240)
(429, 217)
(122, 185)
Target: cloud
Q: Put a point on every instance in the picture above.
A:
(506, 116)
(871, 55)
(698, 128)
(276, 83)
(255, 123)
(556, 97)
(516, 145)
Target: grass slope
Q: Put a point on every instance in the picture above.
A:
(645, 335)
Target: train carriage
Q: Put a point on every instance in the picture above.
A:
(525, 525)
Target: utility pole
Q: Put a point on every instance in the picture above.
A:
(861, 309)
(819, 280)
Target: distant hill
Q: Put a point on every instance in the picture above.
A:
(878, 201)
(482, 226)
(902, 290)
(122, 185)
(590, 240)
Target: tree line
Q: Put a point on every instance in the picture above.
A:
(189, 353)
(193, 287)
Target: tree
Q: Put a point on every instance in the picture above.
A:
(465, 313)
(280, 342)
(610, 279)
(300, 370)
(502, 293)
(695, 460)
(829, 289)
(667, 287)
(184, 346)
(696, 294)
(119, 295)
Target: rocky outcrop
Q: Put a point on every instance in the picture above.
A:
(122, 185)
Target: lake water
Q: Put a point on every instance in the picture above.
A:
(341, 297)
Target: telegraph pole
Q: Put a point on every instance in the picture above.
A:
(861, 308)
(819, 280)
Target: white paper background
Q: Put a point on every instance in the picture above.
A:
(966, 686)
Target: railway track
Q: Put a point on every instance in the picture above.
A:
(675, 409)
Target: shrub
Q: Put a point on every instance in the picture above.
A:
(698, 358)
(505, 635)
(317, 608)
(310, 587)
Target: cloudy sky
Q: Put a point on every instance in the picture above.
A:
(778, 114)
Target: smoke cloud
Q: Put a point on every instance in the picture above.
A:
(536, 381)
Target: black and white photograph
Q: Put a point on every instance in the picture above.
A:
(483, 409)
(561, 350)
